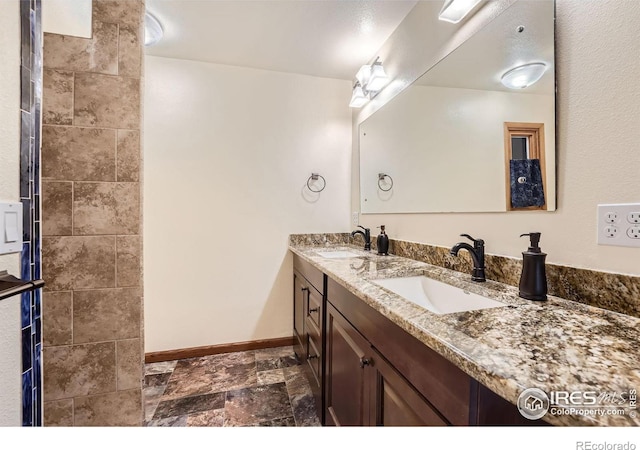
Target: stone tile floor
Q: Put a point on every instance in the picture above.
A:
(253, 388)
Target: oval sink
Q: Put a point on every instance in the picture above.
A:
(436, 296)
(337, 254)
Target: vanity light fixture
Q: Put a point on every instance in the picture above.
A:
(455, 10)
(523, 76)
(371, 79)
(358, 98)
(153, 31)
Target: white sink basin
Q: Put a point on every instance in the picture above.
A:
(337, 254)
(437, 297)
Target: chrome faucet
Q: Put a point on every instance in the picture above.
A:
(477, 255)
(366, 235)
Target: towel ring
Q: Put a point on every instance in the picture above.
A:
(381, 177)
(314, 177)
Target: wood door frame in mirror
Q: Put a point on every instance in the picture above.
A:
(535, 132)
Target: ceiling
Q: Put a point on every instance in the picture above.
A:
(480, 61)
(325, 38)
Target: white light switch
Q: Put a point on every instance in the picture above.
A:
(10, 228)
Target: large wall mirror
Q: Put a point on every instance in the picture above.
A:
(458, 139)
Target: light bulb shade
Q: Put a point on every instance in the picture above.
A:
(455, 10)
(363, 75)
(358, 98)
(523, 76)
(378, 78)
(153, 31)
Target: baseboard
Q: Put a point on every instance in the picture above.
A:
(193, 352)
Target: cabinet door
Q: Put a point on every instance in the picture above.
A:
(396, 402)
(346, 384)
(300, 293)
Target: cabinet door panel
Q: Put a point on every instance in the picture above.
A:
(346, 386)
(396, 402)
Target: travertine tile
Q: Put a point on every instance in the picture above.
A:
(128, 209)
(58, 413)
(56, 208)
(127, 12)
(96, 54)
(57, 97)
(129, 364)
(57, 324)
(129, 50)
(106, 101)
(79, 370)
(128, 155)
(106, 314)
(78, 154)
(115, 409)
(128, 266)
(78, 262)
(106, 208)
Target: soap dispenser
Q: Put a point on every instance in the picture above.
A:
(533, 280)
(383, 242)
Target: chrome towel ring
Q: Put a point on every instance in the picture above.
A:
(315, 177)
(381, 178)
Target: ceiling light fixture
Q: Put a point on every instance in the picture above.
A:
(455, 10)
(371, 79)
(523, 76)
(153, 31)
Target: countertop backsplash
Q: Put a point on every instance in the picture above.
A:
(613, 291)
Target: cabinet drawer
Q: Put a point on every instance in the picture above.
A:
(314, 357)
(314, 308)
(313, 275)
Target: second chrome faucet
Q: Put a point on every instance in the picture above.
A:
(477, 255)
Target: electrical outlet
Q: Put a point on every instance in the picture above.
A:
(617, 224)
(634, 232)
(633, 217)
(610, 231)
(355, 218)
(611, 217)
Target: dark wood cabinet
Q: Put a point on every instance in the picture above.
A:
(366, 370)
(308, 323)
(396, 402)
(362, 388)
(346, 380)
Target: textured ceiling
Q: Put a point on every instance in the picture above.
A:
(325, 38)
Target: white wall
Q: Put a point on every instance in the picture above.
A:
(227, 155)
(10, 336)
(68, 17)
(597, 62)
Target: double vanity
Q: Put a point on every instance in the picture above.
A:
(389, 340)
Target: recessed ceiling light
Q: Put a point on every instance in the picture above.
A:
(153, 31)
(455, 10)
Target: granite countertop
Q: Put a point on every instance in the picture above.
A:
(555, 345)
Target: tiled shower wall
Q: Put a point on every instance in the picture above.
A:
(30, 110)
(91, 250)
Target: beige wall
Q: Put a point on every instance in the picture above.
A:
(598, 108)
(431, 138)
(91, 250)
(10, 336)
(228, 151)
